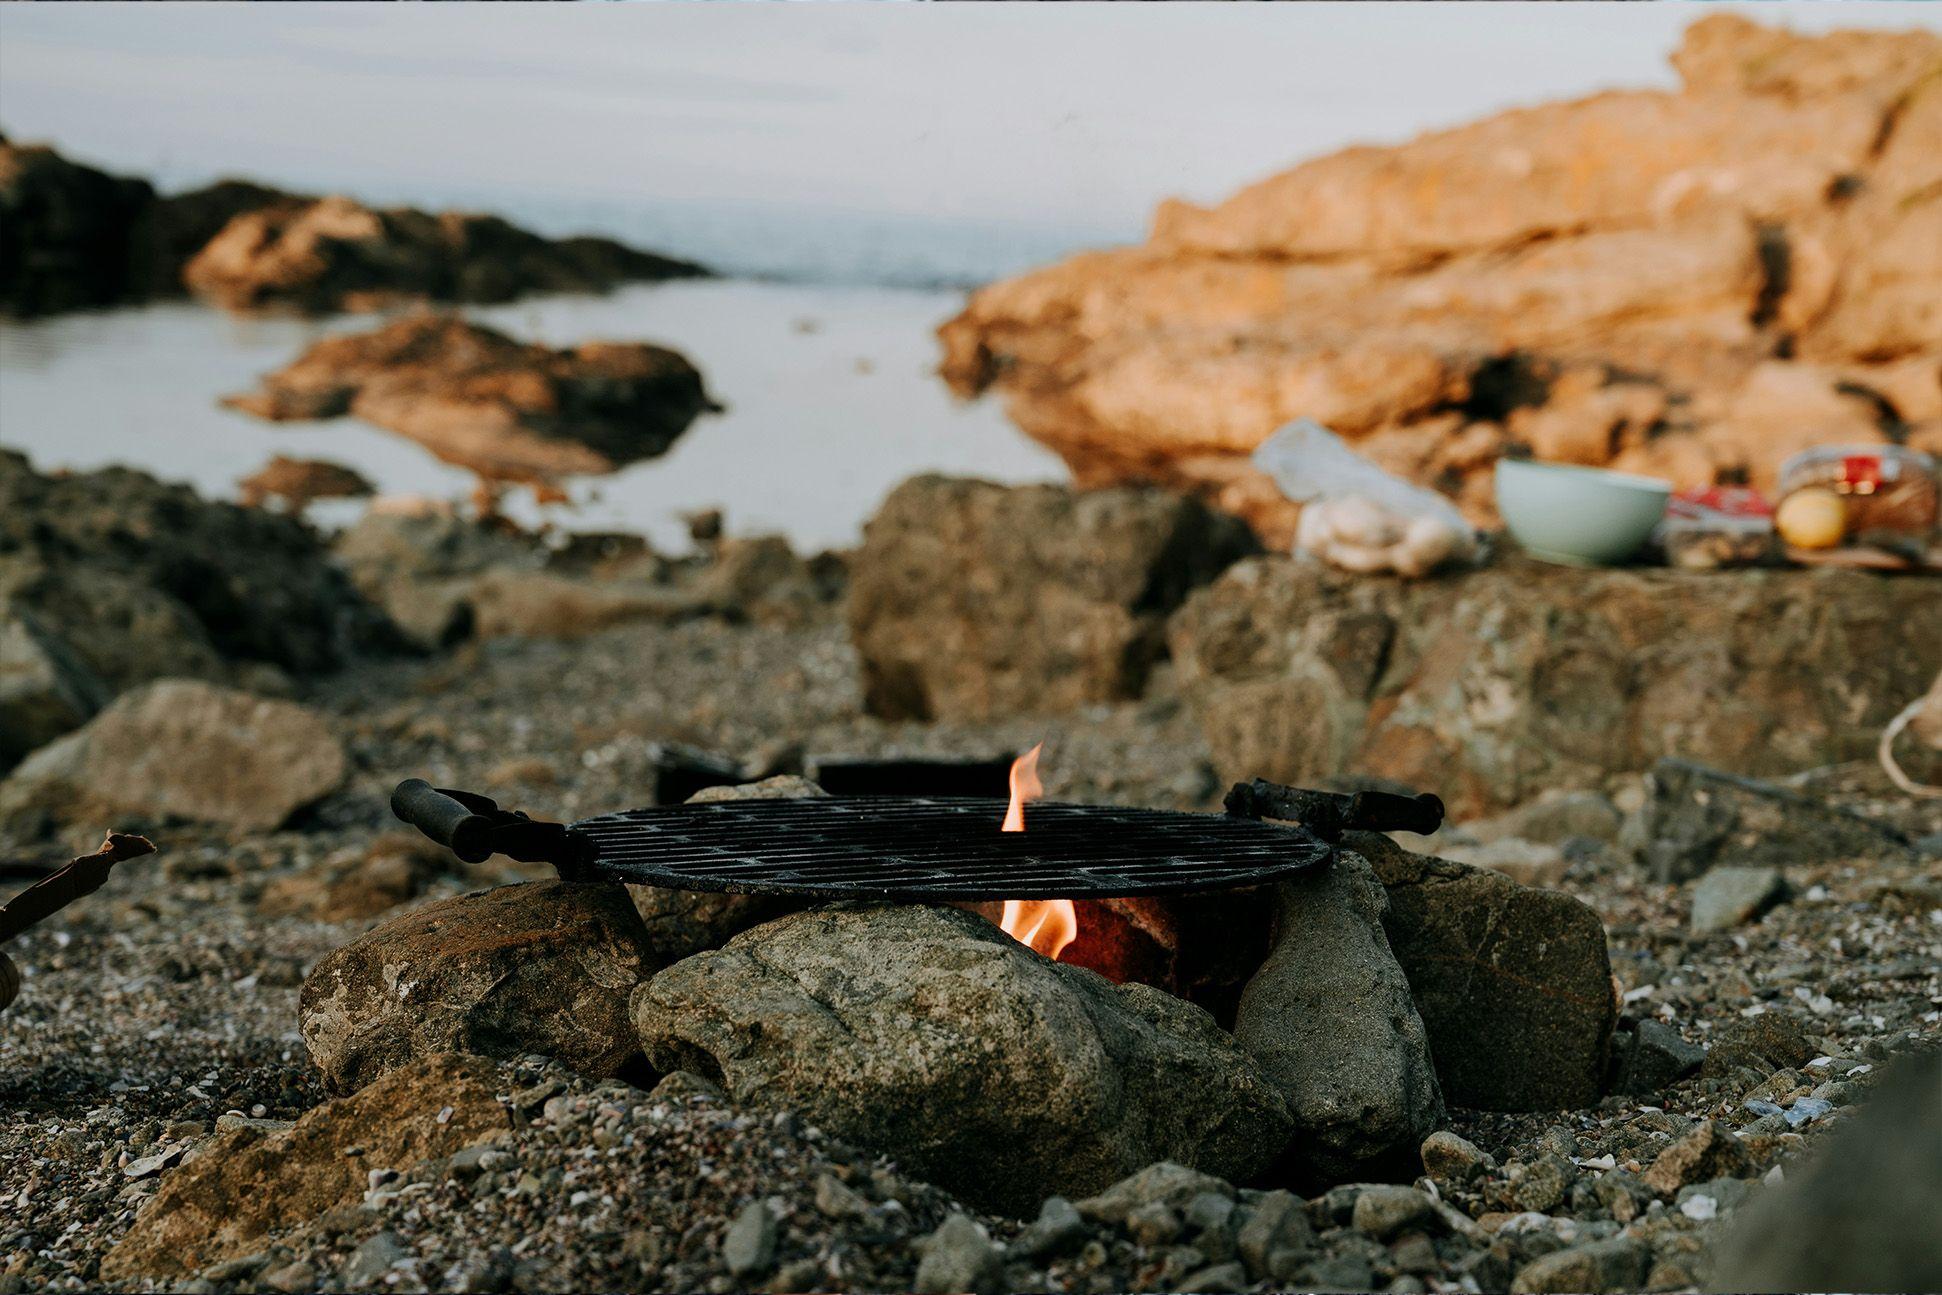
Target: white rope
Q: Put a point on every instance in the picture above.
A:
(1886, 752)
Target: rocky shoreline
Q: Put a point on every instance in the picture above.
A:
(160, 1045)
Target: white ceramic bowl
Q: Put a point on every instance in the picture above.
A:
(1581, 516)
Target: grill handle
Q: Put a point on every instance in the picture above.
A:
(474, 828)
(1329, 814)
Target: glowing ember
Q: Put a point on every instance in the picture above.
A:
(1044, 925)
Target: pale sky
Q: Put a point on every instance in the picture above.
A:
(1079, 116)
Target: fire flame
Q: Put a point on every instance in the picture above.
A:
(1044, 925)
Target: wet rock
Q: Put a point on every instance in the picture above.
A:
(1491, 687)
(960, 1257)
(45, 689)
(1861, 1212)
(684, 922)
(247, 1184)
(1513, 983)
(68, 233)
(336, 254)
(971, 600)
(504, 409)
(748, 1247)
(1694, 817)
(545, 967)
(1726, 897)
(182, 749)
(1650, 1057)
(1766, 1042)
(1330, 1019)
(1617, 1264)
(1449, 1159)
(1437, 299)
(928, 1034)
(141, 580)
(1710, 1150)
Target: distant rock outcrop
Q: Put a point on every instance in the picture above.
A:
(1690, 284)
(72, 237)
(507, 410)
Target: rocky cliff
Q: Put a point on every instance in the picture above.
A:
(1692, 284)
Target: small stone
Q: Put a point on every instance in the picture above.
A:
(1652, 1057)
(1059, 1228)
(1537, 1187)
(1164, 1182)
(1622, 1194)
(1383, 1210)
(1616, 1264)
(1153, 1224)
(232, 1270)
(371, 1260)
(684, 1086)
(748, 1249)
(1278, 1226)
(838, 1201)
(1710, 1150)
(1448, 1158)
(1209, 1212)
(960, 1257)
(1767, 1042)
(1725, 897)
(1220, 1279)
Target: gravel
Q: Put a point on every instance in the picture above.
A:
(166, 1004)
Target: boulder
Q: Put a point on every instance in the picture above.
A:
(141, 579)
(971, 600)
(930, 1035)
(181, 749)
(1861, 1212)
(1694, 817)
(248, 1184)
(1514, 984)
(1329, 1018)
(1747, 240)
(336, 254)
(1494, 686)
(67, 231)
(507, 410)
(45, 690)
(545, 967)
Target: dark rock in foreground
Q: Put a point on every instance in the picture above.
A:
(507, 410)
(1514, 983)
(929, 1034)
(972, 600)
(1495, 686)
(544, 967)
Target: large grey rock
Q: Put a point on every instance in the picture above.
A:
(1862, 1213)
(1491, 687)
(1330, 1018)
(1726, 897)
(1514, 983)
(1694, 817)
(45, 690)
(971, 600)
(545, 967)
(930, 1035)
(182, 749)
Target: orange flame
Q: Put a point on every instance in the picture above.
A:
(1044, 925)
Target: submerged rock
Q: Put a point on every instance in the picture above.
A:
(545, 967)
(336, 254)
(928, 1034)
(1330, 1019)
(249, 1183)
(507, 410)
(971, 600)
(1514, 984)
(1475, 291)
(182, 749)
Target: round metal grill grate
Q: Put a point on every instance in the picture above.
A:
(934, 848)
